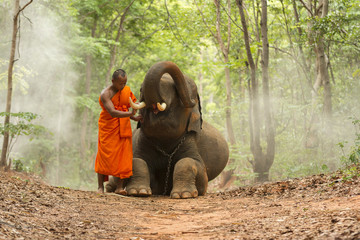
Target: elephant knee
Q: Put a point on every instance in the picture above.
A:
(140, 168)
(187, 165)
(139, 165)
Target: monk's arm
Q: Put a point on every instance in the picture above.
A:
(109, 106)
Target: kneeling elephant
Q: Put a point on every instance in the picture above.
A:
(176, 153)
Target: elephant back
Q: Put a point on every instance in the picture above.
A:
(213, 149)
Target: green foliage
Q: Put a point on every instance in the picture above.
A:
(350, 173)
(353, 158)
(18, 165)
(89, 103)
(21, 124)
(20, 76)
(240, 161)
(39, 153)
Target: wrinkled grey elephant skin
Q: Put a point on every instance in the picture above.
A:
(175, 152)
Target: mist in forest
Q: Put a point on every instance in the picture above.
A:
(303, 129)
(43, 79)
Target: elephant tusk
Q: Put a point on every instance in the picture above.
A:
(161, 107)
(136, 105)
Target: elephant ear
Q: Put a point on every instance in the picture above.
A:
(195, 118)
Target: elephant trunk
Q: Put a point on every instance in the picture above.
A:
(152, 83)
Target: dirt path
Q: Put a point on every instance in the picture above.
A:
(317, 207)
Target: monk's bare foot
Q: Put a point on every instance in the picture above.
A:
(100, 190)
(120, 188)
(121, 192)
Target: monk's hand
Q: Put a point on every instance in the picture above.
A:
(133, 112)
(137, 118)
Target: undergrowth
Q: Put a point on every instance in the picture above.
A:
(351, 161)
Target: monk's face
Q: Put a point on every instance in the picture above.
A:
(120, 83)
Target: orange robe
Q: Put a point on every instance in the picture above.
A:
(114, 156)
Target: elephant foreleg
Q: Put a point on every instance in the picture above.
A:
(189, 179)
(112, 184)
(139, 183)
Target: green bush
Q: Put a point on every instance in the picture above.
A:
(354, 156)
(20, 124)
(351, 161)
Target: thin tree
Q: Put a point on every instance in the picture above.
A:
(226, 175)
(262, 161)
(225, 52)
(224, 48)
(17, 11)
(265, 164)
(318, 10)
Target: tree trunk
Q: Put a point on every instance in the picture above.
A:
(318, 10)
(5, 145)
(262, 162)
(253, 93)
(305, 66)
(323, 76)
(225, 52)
(242, 119)
(269, 128)
(226, 175)
(229, 125)
(255, 5)
(306, 69)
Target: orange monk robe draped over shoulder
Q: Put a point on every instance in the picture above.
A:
(114, 156)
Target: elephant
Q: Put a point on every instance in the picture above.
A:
(175, 152)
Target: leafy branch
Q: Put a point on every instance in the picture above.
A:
(20, 125)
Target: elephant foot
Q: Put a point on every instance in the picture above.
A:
(110, 187)
(189, 179)
(184, 194)
(139, 183)
(139, 192)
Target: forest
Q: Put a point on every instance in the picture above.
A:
(279, 78)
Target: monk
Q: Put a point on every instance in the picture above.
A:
(114, 156)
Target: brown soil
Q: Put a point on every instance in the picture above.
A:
(316, 207)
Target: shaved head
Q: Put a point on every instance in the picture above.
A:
(117, 73)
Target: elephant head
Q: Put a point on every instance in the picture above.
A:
(170, 103)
